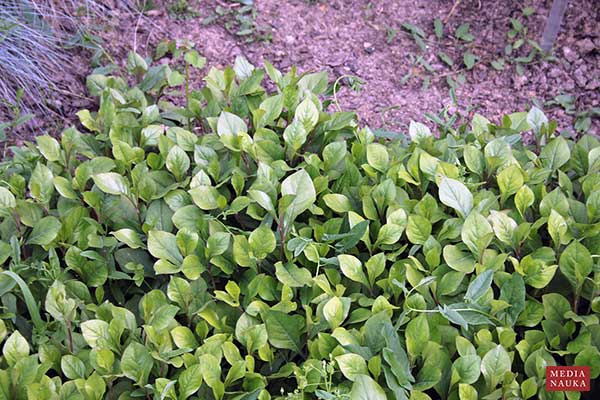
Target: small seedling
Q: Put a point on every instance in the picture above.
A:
(16, 117)
(239, 18)
(583, 116)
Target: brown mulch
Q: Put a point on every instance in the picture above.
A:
(351, 37)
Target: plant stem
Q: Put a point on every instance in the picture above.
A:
(187, 93)
(69, 335)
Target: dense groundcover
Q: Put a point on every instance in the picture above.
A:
(252, 245)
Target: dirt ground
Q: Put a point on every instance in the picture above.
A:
(365, 38)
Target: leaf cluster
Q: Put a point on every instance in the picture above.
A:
(252, 245)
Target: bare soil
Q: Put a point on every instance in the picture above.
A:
(353, 37)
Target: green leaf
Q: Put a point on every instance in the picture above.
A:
(15, 348)
(469, 59)
(418, 229)
(518, 121)
(193, 58)
(231, 295)
(207, 197)
(94, 331)
(418, 132)
(128, 236)
(230, 125)
(555, 307)
(504, 227)
(189, 381)
(537, 273)
(292, 276)
(474, 159)
(136, 363)
(111, 183)
(438, 26)
(45, 231)
(458, 260)
(284, 330)
(333, 311)
(72, 367)
(555, 154)
(211, 370)
(494, 364)
(337, 202)
(351, 365)
(41, 184)
(49, 147)
(262, 242)
(497, 153)
(558, 228)
(315, 82)
(524, 199)
(65, 188)
(184, 338)
(389, 234)
(378, 157)
(7, 199)
(536, 119)
(163, 245)
(513, 293)
(272, 107)
(479, 286)
(178, 162)
(510, 180)
(467, 392)
(576, 263)
(365, 388)
(294, 135)
(589, 356)
(468, 367)
(57, 304)
(417, 335)
(456, 195)
(375, 267)
(307, 114)
(30, 301)
(498, 64)
(217, 244)
(529, 388)
(352, 268)
(477, 233)
(299, 185)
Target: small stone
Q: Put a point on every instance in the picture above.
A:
(593, 84)
(569, 54)
(580, 76)
(352, 66)
(555, 72)
(567, 84)
(289, 39)
(586, 45)
(368, 47)
(519, 81)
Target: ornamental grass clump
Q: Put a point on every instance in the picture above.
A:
(34, 37)
(250, 244)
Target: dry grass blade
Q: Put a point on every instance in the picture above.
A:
(33, 38)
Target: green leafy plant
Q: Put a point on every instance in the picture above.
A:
(33, 37)
(239, 18)
(520, 49)
(246, 243)
(181, 9)
(16, 117)
(583, 117)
